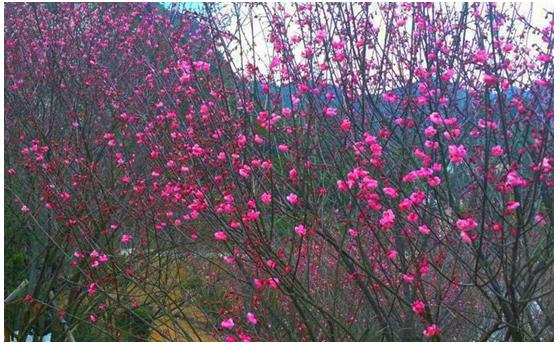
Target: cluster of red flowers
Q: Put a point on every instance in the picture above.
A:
(387, 175)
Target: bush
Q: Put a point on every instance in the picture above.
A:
(323, 171)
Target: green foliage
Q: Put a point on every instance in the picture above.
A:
(208, 296)
(130, 325)
(14, 259)
(134, 323)
(191, 282)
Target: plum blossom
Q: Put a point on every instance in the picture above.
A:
(266, 198)
(346, 125)
(497, 151)
(514, 180)
(91, 290)
(392, 254)
(221, 236)
(251, 318)
(431, 331)
(418, 307)
(388, 219)
(330, 112)
(227, 324)
(125, 238)
(391, 192)
(457, 153)
(292, 198)
(466, 224)
(424, 229)
(301, 230)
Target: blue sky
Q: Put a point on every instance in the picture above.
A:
(188, 5)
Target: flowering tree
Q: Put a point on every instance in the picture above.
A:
(270, 172)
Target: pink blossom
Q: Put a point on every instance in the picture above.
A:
(252, 215)
(227, 324)
(392, 254)
(330, 112)
(91, 289)
(125, 238)
(497, 227)
(245, 171)
(273, 283)
(251, 318)
(339, 56)
(259, 283)
(408, 277)
(512, 205)
(275, 62)
(411, 176)
(221, 236)
(272, 264)
(465, 237)
(490, 79)
(431, 331)
(301, 230)
(514, 180)
(390, 97)
(346, 125)
(266, 198)
(539, 219)
(430, 131)
(448, 74)
(417, 197)
(258, 139)
(457, 153)
(434, 181)
(405, 204)
(388, 219)
(497, 151)
(436, 118)
(466, 224)
(424, 229)
(229, 259)
(293, 174)
(418, 307)
(480, 56)
(292, 198)
(391, 192)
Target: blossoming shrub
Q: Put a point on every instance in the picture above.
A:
(384, 173)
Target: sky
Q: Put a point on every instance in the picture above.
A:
(191, 6)
(263, 49)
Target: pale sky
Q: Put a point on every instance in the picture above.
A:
(263, 49)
